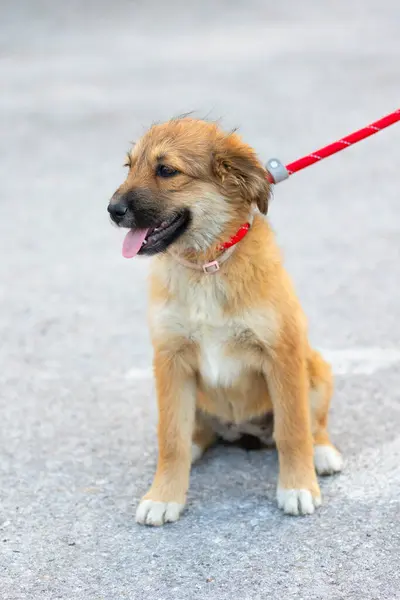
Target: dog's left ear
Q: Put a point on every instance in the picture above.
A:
(239, 172)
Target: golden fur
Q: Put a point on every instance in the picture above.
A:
(231, 345)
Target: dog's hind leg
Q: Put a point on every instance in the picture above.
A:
(204, 436)
(327, 458)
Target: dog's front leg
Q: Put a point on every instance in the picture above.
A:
(298, 492)
(176, 396)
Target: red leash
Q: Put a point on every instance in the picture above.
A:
(278, 172)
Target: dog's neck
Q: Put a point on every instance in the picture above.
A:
(211, 261)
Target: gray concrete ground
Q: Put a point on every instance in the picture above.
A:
(78, 447)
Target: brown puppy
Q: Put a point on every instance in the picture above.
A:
(230, 345)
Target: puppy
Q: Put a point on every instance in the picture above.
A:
(229, 335)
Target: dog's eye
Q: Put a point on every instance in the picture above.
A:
(164, 171)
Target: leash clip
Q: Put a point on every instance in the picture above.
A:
(277, 170)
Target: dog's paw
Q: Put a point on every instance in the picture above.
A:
(327, 460)
(297, 502)
(151, 512)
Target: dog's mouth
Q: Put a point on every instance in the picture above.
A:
(155, 239)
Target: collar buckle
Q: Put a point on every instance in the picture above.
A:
(211, 267)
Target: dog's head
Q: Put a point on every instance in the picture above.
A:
(189, 184)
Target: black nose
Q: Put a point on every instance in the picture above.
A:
(117, 211)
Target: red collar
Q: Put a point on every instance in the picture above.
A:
(226, 248)
(239, 235)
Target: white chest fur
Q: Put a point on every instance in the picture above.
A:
(209, 330)
(216, 367)
(196, 313)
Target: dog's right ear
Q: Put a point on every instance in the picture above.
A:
(239, 172)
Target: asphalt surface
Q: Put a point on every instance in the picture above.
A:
(77, 407)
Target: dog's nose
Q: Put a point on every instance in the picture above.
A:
(117, 211)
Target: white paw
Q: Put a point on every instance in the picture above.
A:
(297, 502)
(150, 512)
(197, 452)
(327, 460)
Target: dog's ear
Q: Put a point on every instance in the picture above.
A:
(239, 172)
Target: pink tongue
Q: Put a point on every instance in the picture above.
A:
(133, 242)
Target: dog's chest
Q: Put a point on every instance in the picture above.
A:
(218, 364)
(216, 337)
(198, 315)
(200, 312)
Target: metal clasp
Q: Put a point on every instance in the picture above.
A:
(277, 170)
(211, 267)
